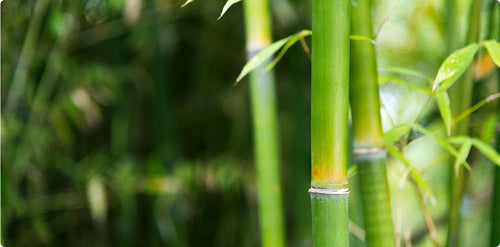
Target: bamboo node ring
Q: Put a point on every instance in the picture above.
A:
(326, 191)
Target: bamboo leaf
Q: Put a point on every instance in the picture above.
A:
(414, 173)
(393, 135)
(454, 66)
(228, 4)
(463, 153)
(294, 38)
(268, 52)
(487, 151)
(261, 58)
(494, 50)
(353, 170)
(475, 107)
(442, 142)
(405, 71)
(443, 102)
(361, 38)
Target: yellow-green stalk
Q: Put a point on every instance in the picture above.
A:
(367, 126)
(329, 122)
(263, 97)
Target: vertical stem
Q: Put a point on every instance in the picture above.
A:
(27, 53)
(329, 122)
(461, 98)
(262, 91)
(368, 135)
(495, 208)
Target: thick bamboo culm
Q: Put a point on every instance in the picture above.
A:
(329, 122)
(368, 136)
(263, 103)
(461, 99)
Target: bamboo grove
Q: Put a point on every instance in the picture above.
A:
(350, 123)
(334, 89)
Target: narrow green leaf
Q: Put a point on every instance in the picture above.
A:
(494, 50)
(293, 39)
(353, 170)
(405, 71)
(228, 4)
(268, 52)
(443, 102)
(475, 107)
(459, 140)
(451, 69)
(361, 38)
(393, 135)
(442, 142)
(487, 151)
(414, 173)
(262, 57)
(463, 153)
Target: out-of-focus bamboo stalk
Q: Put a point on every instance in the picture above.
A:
(461, 99)
(263, 97)
(495, 208)
(368, 137)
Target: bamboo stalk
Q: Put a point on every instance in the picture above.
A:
(461, 98)
(263, 101)
(368, 136)
(495, 208)
(16, 89)
(329, 122)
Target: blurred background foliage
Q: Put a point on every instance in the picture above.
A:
(121, 125)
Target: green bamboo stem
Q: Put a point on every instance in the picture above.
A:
(367, 127)
(263, 101)
(495, 208)
(27, 53)
(329, 122)
(461, 98)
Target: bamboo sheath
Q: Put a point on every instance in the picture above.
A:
(263, 102)
(329, 122)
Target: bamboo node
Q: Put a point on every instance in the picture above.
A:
(369, 151)
(326, 191)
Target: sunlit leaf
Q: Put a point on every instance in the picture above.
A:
(463, 153)
(287, 46)
(393, 135)
(414, 173)
(187, 2)
(444, 108)
(228, 4)
(405, 71)
(494, 50)
(97, 198)
(268, 52)
(454, 66)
